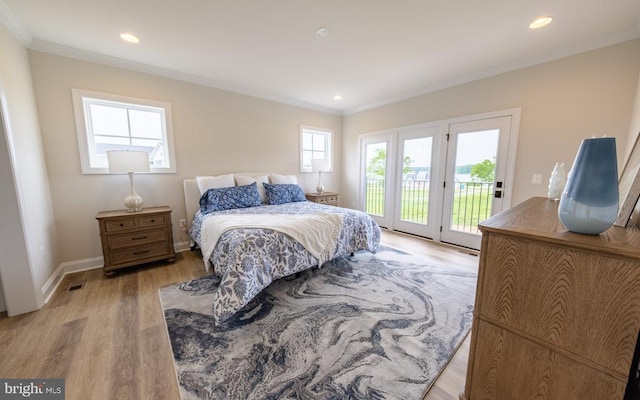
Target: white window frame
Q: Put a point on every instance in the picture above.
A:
(85, 140)
(328, 150)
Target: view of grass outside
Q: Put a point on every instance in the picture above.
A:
(472, 197)
(375, 197)
(471, 203)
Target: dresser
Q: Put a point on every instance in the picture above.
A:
(557, 314)
(130, 239)
(329, 198)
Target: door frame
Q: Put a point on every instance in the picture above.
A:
(394, 133)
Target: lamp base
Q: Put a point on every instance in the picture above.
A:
(133, 202)
(320, 188)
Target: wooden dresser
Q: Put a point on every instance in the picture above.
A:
(328, 198)
(557, 314)
(130, 239)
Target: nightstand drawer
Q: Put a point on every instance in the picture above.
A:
(328, 199)
(147, 222)
(137, 238)
(137, 253)
(120, 225)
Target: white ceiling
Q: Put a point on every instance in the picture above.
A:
(377, 51)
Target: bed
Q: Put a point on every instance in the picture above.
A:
(247, 248)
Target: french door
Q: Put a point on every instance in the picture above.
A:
(377, 171)
(475, 177)
(400, 172)
(439, 180)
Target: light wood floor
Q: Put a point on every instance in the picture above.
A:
(108, 339)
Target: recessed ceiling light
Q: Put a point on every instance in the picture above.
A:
(128, 37)
(337, 97)
(540, 22)
(322, 32)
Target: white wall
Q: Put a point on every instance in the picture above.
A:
(634, 126)
(563, 102)
(28, 239)
(215, 132)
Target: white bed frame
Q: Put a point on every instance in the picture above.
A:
(192, 193)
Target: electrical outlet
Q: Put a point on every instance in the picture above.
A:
(183, 223)
(536, 179)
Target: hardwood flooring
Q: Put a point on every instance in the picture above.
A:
(108, 338)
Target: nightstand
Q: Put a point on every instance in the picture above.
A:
(130, 239)
(328, 198)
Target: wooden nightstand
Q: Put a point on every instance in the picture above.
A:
(130, 239)
(328, 198)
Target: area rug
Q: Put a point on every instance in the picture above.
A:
(369, 326)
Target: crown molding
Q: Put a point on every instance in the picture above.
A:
(52, 48)
(15, 26)
(528, 62)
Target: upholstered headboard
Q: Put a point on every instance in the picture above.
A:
(192, 194)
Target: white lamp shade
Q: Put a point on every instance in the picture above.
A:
(128, 161)
(320, 165)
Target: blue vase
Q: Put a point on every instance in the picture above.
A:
(589, 202)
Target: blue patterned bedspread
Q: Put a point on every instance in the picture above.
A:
(247, 260)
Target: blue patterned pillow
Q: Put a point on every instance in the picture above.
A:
(227, 198)
(283, 193)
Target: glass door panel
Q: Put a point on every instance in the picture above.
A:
(376, 164)
(377, 167)
(416, 167)
(475, 167)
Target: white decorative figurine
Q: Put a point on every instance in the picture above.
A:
(557, 182)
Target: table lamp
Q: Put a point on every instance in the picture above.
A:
(321, 165)
(123, 161)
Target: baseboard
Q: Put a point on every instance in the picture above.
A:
(65, 268)
(72, 267)
(182, 246)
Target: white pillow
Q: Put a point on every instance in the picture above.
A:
(208, 182)
(248, 180)
(278, 179)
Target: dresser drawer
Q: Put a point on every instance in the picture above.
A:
(137, 238)
(546, 291)
(136, 254)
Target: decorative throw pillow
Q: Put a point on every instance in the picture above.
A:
(207, 182)
(283, 193)
(227, 198)
(247, 180)
(277, 179)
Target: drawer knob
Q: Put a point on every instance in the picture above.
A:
(121, 224)
(153, 220)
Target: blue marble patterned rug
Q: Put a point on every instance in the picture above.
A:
(370, 326)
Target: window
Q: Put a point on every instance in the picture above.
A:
(314, 143)
(109, 122)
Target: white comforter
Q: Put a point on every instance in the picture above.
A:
(317, 233)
